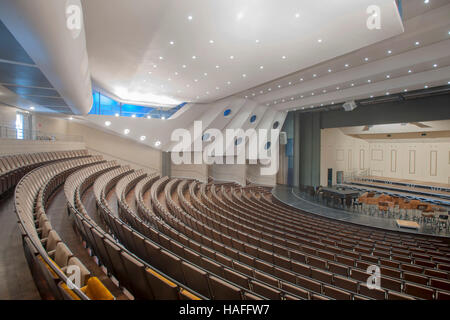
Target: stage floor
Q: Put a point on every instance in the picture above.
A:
(292, 197)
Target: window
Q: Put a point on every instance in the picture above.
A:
(19, 126)
(253, 119)
(238, 141)
(267, 146)
(227, 112)
(275, 124)
(205, 136)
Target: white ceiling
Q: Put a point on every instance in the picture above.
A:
(423, 126)
(168, 51)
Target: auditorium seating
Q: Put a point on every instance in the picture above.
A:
(182, 239)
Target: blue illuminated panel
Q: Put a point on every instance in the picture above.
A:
(104, 105)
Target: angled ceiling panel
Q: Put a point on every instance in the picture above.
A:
(10, 49)
(31, 91)
(22, 75)
(47, 101)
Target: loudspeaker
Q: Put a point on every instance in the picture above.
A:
(283, 138)
(349, 105)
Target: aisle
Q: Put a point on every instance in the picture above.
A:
(16, 282)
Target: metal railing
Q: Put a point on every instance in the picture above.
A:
(25, 134)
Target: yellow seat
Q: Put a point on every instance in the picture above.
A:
(95, 290)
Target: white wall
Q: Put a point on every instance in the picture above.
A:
(13, 146)
(229, 173)
(415, 159)
(254, 176)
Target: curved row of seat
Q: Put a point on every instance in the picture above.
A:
(50, 259)
(137, 260)
(14, 167)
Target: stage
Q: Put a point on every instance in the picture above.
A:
(293, 197)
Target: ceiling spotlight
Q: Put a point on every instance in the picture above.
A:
(154, 66)
(149, 117)
(366, 59)
(270, 89)
(161, 58)
(314, 75)
(279, 86)
(387, 93)
(240, 15)
(337, 88)
(107, 123)
(205, 74)
(172, 43)
(352, 84)
(231, 57)
(188, 85)
(157, 143)
(31, 108)
(228, 82)
(194, 57)
(189, 17)
(70, 118)
(319, 40)
(244, 75)
(405, 90)
(417, 43)
(371, 96)
(388, 76)
(217, 67)
(116, 114)
(426, 87)
(301, 96)
(301, 79)
(426, 1)
(261, 91)
(261, 67)
(297, 15)
(434, 65)
(329, 70)
(176, 73)
(142, 138)
(211, 41)
(409, 71)
(183, 66)
(257, 41)
(346, 65)
(312, 93)
(163, 118)
(369, 81)
(217, 88)
(126, 131)
(289, 83)
(389, 51)
(283, 57)
(195, 80)
(324, 91)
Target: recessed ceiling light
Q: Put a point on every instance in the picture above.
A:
(246, 97)
(417, 43)
(270, 89)
(142, 138)
(228, 82)
(371, 96)
(319, 40)
(405, 90)
(257, 41)
(231, 57)
(434, 65)
(183, 66)
(289, 83)
(337, 88)
(194, 57)
(261, 67)
(205, 74)
(426, 1)
(275, 102)
(426, 87)
(154, 66)
(161, 58)
(312, 93)
(347, 65)
(133, 116)
(176, 73)
(207, 92)
(279, 86)
(190, 17)
(261, 91)
(240, 15)
(217, 88)
(324, 90)
(217, 67)
(149, 72)
(157, 143)
(389, 51)
(283, 57)
(31, 108)
(297, 15)
(448, 82)
(329, 70)
(169, 79)
(352, 84)
(301, 79)
(409, 71)
(388, 76)
(116, 114)
(172, 43)
(148, 117)
(211, 41)
(244, 75)
(163, 118)
(197, 97)
(195, 80)
(387, 93)
(314, 75)
(282, 100)
(332, 102)
(292, 98)
(369, 81)
(301, 96)
(126, 131)
(70, 118)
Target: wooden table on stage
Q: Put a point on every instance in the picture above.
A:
(407, 224)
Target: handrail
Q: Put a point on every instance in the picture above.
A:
(26, 134)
